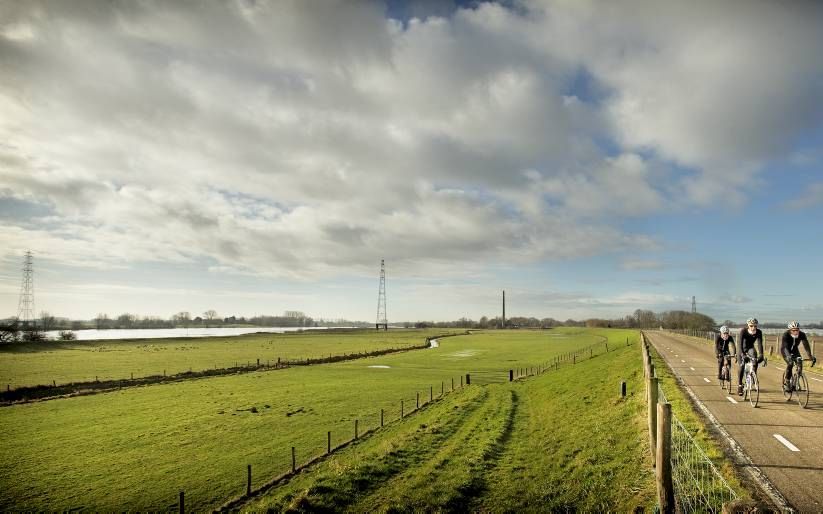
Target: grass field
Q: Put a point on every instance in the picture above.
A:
(561, 441)
(138, 447)
(29, 364)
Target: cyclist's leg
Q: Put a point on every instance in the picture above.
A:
(788, 374)
(720, 366)
(740, 370)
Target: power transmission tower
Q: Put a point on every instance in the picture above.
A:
(694, 305)
(381, 299)
(25, 307)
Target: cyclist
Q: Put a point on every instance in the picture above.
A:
(790, 349)
(721, 348)
(750, 340)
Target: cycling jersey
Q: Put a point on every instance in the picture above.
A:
(750, 341)
(721, 347)
(790, 346)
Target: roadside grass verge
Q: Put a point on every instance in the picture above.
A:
(562, 441)
(61, 362)
(137, 448)
(694, 424)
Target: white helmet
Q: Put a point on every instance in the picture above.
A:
(724, 329)
(751, 321)
(794, 324)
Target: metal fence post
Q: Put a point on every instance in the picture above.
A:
(665, 487)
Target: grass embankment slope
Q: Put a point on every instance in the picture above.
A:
(28, 364)
(564, 440)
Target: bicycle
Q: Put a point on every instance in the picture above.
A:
(797, 384)
(726, 373)
(751, 388)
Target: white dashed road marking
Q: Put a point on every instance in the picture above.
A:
(786, 443)
(781, 369)
(707, 380)
(731, 399)
(816, 379)
(681, 360)
(691, 368)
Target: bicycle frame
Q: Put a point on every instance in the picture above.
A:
(797, 384)
(751, 388)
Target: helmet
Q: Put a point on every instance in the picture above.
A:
(751, 321)
(724, 329)
(793, 324)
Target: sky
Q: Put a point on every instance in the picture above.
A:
(590, 158)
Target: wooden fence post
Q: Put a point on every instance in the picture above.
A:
(328, 438)
(665, 488)
(623, 389)
(442, 388)
(431, 393)
(511, 375)
(181, 505)
(248, 483)
(401, 409)
(468, 379)
(652, 398)
(417, 406)
(355, 429)
(381, 417)
(293, 460)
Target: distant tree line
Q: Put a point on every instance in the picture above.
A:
(641, 318)
(12, 330)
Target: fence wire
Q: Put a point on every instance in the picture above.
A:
(698, 485)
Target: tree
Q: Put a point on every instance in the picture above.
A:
(210, 315)
(46, 321)
(102, 321)
(126, 320)
(182, 317)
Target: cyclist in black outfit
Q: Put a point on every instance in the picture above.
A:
(721, 347)
(790, 348)
(750, 340)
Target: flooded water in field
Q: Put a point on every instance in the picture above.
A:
(381, 366)
(160, 333)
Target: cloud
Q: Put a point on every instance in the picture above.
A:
(641, 264)
(810, 197)
(307, 139)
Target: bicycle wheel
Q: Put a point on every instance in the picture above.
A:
(802, 391)
(754, 393)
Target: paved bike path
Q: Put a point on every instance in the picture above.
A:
(784, 441)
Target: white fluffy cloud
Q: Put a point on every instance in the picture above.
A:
(299, 139)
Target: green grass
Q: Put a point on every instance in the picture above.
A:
(564, 440)
(28, 364)
(139, 446)
(694, 424)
